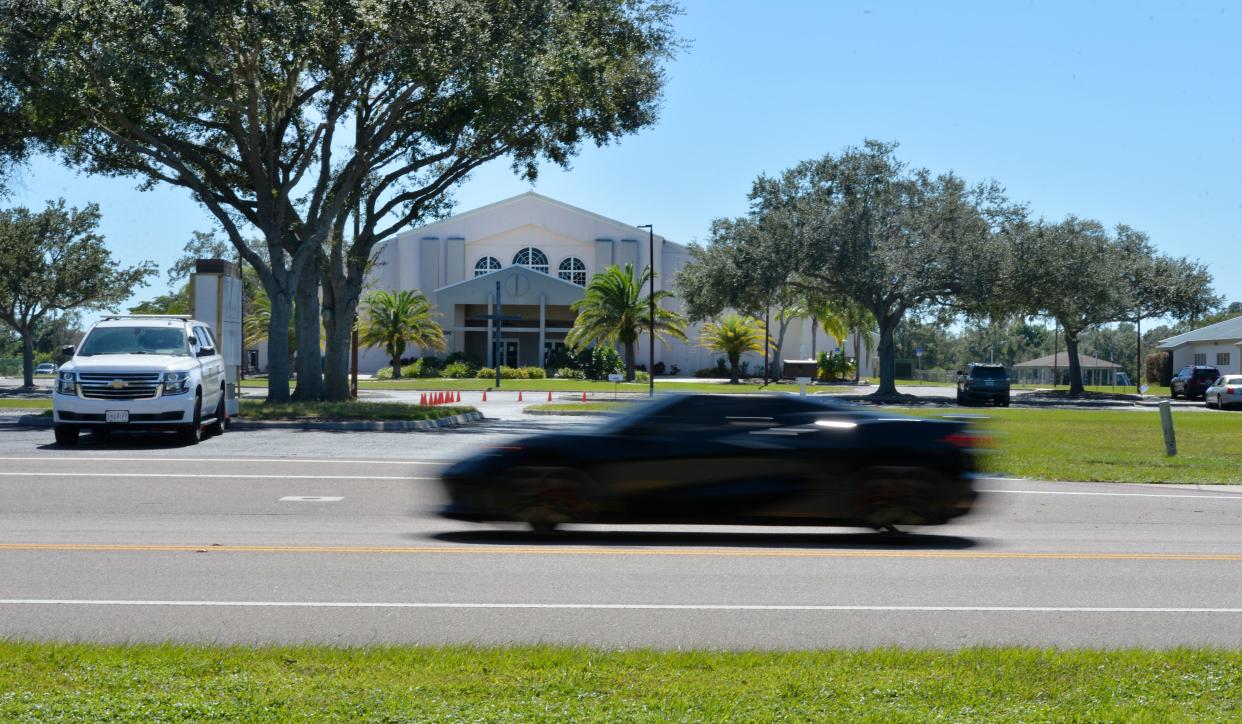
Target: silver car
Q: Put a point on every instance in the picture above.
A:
(1224, 393)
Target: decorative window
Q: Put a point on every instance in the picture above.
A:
(1200, 358)
(1222, 359)
(532, 258)
(573, 271)
(485, 265)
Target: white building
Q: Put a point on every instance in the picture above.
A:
(541, 252)
(1218, 345)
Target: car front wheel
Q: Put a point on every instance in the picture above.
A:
(191, 434)
(66, 435)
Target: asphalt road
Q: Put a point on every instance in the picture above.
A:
(328, 537)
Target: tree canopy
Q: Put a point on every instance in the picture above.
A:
(52, 262)
(287, 117)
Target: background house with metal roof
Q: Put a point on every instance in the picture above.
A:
(1218, 345)
(1044, 370)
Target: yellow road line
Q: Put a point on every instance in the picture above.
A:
(579, 551)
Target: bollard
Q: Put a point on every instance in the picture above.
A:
(1166, 422)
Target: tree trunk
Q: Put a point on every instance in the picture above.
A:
(1075, 369)
(306, 316)
(278, 347)
(629, 361)
(395, 361)
(857, 357)
(339, 314)
(781, 327)
(887, 350)
(814, 327)
(27, 356)
(734, 369)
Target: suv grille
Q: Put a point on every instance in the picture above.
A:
(119, 385)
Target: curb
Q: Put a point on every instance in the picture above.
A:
(348, 425)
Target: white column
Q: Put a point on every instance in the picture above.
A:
(491, 309)
(543, 325)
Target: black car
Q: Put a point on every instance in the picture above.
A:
(719, 459)
(982, 382)
(1192, 381)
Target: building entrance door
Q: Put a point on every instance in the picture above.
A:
(509, 353)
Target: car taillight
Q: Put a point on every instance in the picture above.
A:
(967, 439)
(1230, 391)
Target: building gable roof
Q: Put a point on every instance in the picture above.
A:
(1229, 330)
(519, 285)
(1061, 359)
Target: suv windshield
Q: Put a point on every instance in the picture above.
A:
(1206, 374)
(988, 373)
(135, 340)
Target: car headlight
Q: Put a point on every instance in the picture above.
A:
(176, 383)
(67, 383)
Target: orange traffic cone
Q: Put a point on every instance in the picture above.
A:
(459, 395)
(584, 395)
(485, 395)
(519, 395)
(422, 400)
(549, 395)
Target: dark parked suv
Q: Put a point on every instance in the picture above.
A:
(981, 382)
(1192, 381)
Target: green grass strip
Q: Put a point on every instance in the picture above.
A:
(83, 682)
(257, 410)
(1109, 445)
(581, 407)
(23, 403)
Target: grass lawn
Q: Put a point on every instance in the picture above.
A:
(19, 403)
(561, 385)
(1110, 445)
(600, 407)
(83, 682)
(256, 410)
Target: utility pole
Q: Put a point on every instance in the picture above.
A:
(650, 311)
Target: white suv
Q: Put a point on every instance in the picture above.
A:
(153, 372)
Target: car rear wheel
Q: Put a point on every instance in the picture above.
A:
(191, 434)
(66, 435)
(896, 496)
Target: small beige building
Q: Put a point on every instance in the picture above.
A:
(1044, 370)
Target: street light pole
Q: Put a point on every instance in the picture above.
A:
(650, 310)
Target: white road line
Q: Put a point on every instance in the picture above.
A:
(613, 606)
(312, 499)
(92, 458)
(8, 474)
(1114, 495)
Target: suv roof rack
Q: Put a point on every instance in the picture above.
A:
(183, 317)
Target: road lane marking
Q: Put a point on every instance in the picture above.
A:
(92, 458)
(616, 606)
(572, 551)
(312, 499)
(1114, 495)
(246, 476)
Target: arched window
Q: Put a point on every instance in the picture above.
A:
(485, 265)
(573, 271)
(532, 258)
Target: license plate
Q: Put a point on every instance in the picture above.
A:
(116, 416)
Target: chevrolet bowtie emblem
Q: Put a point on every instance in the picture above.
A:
(119, 384)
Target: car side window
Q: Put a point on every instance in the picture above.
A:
(204, 338)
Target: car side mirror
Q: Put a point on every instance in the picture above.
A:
(67, 351)
(961, 372)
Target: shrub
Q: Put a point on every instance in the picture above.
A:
(458, 370)
(642, 376)
(485, 373)
(510, 373)
(534, 373)
(569, 373)
(471, 360)
(599, 362)
(385, 373)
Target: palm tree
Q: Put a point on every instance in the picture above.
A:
(394, 320)
(615, 310)
(733, 336)
(826, 315)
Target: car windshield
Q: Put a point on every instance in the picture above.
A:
(989, 373)
(135, 340)
(1206, 374)
(1232, 381)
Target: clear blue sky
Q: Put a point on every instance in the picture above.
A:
(1126, 112)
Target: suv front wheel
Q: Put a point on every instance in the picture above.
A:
(66, 435)
(191, 434)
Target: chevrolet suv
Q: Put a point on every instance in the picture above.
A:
(983, 382)
(141, 372)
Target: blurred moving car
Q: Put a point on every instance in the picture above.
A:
(1224, 393)
(980, 381)
(718, 459)
(46, 368)
(1192, 381)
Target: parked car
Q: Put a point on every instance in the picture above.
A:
(1224, 393)
(46, 368)
(141, 372)
(719, 459)
(1192, 381)
(983, 382)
